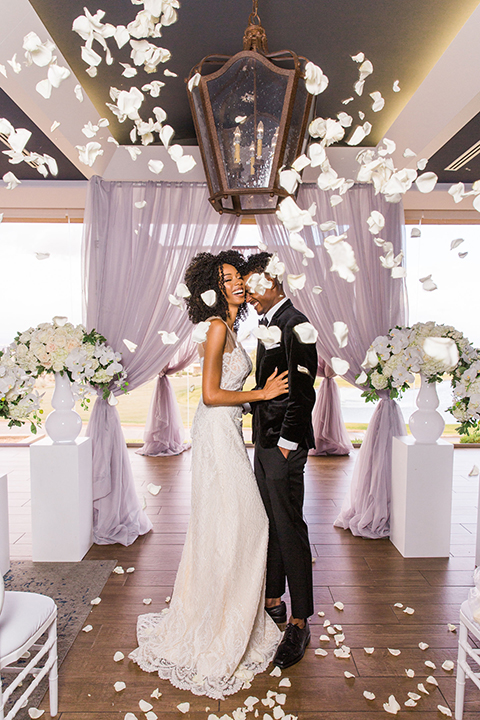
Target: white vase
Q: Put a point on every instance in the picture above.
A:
(426, 424)
(63, 425)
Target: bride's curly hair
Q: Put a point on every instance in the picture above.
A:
(205, 272)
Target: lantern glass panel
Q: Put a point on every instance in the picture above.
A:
(247, 102)
(201, 127)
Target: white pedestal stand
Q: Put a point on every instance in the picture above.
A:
(62, 505)
(421, 505)
(4, 534)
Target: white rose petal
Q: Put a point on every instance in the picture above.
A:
(339, 366)
(184, 707)
(348, 675)
(423, 689)
(87, 628)
(410, 703)
(340, 330)
(428, 283)
(296, 282)
(452, 628)
(394, 651)
(375, 222)
(443, 350)
(199, 334)
(96, 601)
(153, 489)
(369, 650)
(414, 696)
(368, 695)
(362, 378)
(306, 333)
(35, 713)
(119, 686)
(194, 81)
(378, 101)
(168, 338)
(431, 680)
(315, 80)
(317, 289)
(269, 336)
(145, 706)
(423, 646)
(285, 682)
(474, 471)
(409, 611)
(155, 166)
(118, 570)
(118, 656)
(140, 204)
(151, 715)
(131, 346)
(444, 710)
(324, 638)
(276, 672)
(281, 698)
(11, 181)
(321, 652)
(430, 664)
(410, 673)
(147, 601)
(426, 182)
(396, 86)
(156, 694)
(209, 297)
(422, 164)
(392, 705)
(130, 570)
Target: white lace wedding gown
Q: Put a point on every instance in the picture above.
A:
(216, 634)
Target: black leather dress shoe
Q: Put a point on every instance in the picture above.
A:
(278, 613)
(292, 648)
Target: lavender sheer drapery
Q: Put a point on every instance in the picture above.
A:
(164, 431)
(331, 437)
(370, 306)
(133, 258)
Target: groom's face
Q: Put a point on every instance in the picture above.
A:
(263, 303)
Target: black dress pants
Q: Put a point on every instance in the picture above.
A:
(281, 484)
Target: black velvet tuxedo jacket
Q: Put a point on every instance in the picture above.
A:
(288, 416)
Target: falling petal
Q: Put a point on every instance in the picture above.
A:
(416, 233)
(182, 290)
(358, 58)
(168, 338)
(130, 570)
(140, 204)
(422, 164)
(335, 200)
(281, 698)
(396, 86)
(426, 182)
(430, 664)
(11, 181)
(285, 682)
(156, 694)
(147, 601)
(167, 599)
(407, 153)
(153, 489)
(324, 638)
(119, 686)
(131, 346)
(347, 100)
(54, 126)
(423, 689)
(88, 153)
(194, 81)
(166, 134)
(155, 166)
(317, 289)
(375, 222)
(428, 283)
(473, 473)
(151, 715)
(448, 665)
(378, 101)
(410, 673)
(410, 703)
(340, 330)
(462, 255)
(365, 69)
(276, 672)
(306, 333)
(431, 680)
(269, 336)
(369, 650)
(184, 707)
(398, 605)
(362, 378)
(16, 67)
(199, 334)
(348, 675)
(368, 695)
(316, 81)
(35, 713)
(321, 652)
(339, 605)
(296, 282)
(321, 613)
(342, 257)
(455, 243)
(414, 696)
(409, 611)
(87, 628)
(339, 366)
(209, 297)
(358, 87)
(394, 651)
(328, 225)
(96, 601)
(42, 256)
(118, 570)
(118, 656)
(423, 645)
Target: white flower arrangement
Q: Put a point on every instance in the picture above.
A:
(59, 346)
(434, 351)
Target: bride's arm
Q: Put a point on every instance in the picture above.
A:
(212, 374)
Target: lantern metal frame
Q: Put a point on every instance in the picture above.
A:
(224, 197)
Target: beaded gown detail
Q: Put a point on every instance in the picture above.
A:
(216, 634)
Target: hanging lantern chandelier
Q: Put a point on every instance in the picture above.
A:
(251, 113)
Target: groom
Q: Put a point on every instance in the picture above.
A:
(283, 434)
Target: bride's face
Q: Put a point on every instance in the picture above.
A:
(234, 286)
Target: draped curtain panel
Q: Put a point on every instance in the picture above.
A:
(370, 306)
(138, 240)
(331, 437)
(164, 431)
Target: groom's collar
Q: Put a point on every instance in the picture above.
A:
(269, 315)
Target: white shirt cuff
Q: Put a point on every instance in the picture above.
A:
(287, 444)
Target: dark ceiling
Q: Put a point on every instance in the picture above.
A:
(402, 38)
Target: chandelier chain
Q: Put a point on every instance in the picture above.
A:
(254, 16)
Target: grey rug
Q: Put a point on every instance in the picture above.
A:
(72, 586)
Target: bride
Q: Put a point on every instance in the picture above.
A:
(216, 634)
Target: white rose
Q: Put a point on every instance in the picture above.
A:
(379, 381)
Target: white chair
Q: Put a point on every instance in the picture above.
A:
(467, 625)
(24, 618)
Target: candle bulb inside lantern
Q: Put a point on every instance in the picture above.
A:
(259, 139)
(236, 145)
(252, 159)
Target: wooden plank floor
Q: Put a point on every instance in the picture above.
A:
(368, 576)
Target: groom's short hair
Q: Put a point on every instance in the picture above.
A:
(256, 263)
